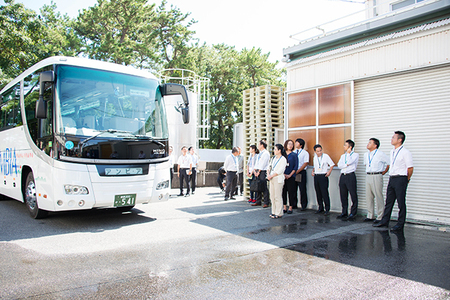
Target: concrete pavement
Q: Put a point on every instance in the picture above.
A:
(201, 247)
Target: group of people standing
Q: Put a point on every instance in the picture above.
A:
(187, 169)
(286, 173)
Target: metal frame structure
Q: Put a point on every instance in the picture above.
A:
(198, 85)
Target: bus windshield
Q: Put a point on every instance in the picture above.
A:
(90, 101)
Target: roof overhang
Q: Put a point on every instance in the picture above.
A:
(402, 20)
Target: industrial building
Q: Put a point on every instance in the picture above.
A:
(389, 72)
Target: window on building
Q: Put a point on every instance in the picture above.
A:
(321, 116)
(404, 3)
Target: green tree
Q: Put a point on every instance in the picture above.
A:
(21, 31)
(115, 31)
(171, 35)
(230, 72)
(59, 37)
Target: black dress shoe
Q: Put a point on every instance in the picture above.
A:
(326, 213)
(397, 228)
(380, 225)
(302, 209)
(319, 211)
(376, 221)
(226, 199)
(232, 198)
(368, 220)
(341, 216)
(179, 195)
(351, 218)
(289, 212)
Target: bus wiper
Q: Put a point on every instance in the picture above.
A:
(94, 136)
(141, 136)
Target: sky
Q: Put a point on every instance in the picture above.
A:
(265, 24)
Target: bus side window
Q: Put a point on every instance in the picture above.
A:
(10, 109)
(40, 130)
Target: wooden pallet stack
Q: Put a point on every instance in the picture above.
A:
(263, 112)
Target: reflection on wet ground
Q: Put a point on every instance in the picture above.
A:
(413, 254)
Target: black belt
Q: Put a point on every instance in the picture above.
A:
(374, 173)
(323, 174)
(347, 173)
(394, 176)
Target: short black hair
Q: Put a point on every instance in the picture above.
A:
(301, 142)
(235, 150)
(263, 142)
(317, 146)
(401, 135)
(189, 149)
(350, 143)
(376, 142)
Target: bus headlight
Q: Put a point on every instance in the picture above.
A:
(75, 189)
(163, 185)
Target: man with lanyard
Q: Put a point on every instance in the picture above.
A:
(303, 161)
(240, 174)
(261, 167)
(323, 165)
(184, 170)
(194, 168)
(347, 181)
(377, 164)
(231, 166)
(400, 173)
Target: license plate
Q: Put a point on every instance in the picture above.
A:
(124, 200)
(123, 171)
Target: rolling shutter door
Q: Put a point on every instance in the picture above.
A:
(417, 103)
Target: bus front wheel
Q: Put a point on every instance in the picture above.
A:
(30, 198)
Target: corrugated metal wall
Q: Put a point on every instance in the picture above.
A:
(418, 104)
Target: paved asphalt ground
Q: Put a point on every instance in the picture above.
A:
(201, 247)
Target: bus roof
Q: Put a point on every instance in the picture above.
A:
(80, 62)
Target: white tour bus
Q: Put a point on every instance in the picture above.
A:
(77, 133)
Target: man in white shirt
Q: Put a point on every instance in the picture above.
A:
(184, 170)
(323, 165)
(377, 164)
(347, 181)
(240, 174)
(261, 167)
(194, 168)
(171, 163)
(400, 173)
(231, 166)
(303, 161)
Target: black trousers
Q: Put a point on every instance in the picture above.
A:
(321, 184)
(265, 193)
(184, 177)
(231, 183)
(193, 179)
(302, 187)
(171, 176)
(396, 189)
(347, 184)
(290, 188)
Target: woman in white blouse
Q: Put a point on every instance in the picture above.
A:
(276, 178)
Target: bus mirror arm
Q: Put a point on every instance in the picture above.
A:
(41, 104)
(177, 89)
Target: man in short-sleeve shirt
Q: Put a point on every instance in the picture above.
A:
(401, 170)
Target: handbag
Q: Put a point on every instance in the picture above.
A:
(257, 185)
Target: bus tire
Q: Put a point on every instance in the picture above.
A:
(30, 199)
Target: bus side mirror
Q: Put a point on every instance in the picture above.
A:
(41, 105)
(177, 89)
(185, 115)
